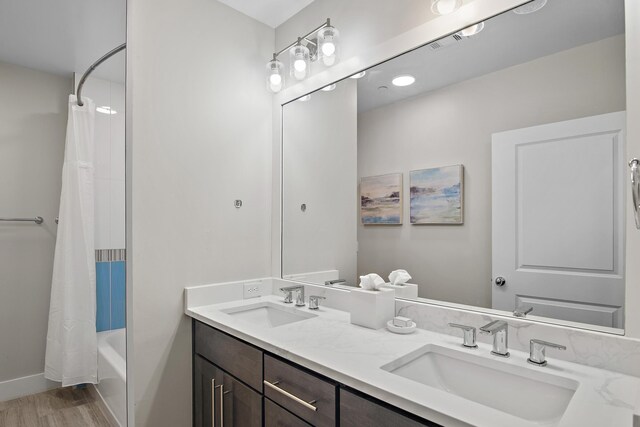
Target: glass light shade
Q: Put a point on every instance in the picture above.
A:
(445, 7)
(300, 62)
(275, 76)
(472, 30)
(328, 44)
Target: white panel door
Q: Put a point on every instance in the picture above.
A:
(558, 219)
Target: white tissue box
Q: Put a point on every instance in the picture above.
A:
(372, 309)
(407, 290)
(402, 322)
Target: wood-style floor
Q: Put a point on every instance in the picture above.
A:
(63, 407)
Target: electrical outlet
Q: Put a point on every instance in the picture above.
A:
(252, 290)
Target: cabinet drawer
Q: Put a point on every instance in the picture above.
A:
(306, 395)
(237, 358)
(275, 416)
(357, 411)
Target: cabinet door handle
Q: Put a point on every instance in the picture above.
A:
(274, 386)
(213, 403)
(221, 404)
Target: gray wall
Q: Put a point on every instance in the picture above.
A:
(453, 125)
(319, 140)
(33, 118)
(199, 137)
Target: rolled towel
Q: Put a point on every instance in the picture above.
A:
(399, 277)
(371, 282)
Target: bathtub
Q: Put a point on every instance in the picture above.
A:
(112, 372)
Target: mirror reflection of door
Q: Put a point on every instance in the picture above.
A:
(558, 235)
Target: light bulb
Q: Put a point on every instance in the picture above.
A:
(275, 79)
(445, 7)
(329, 88)
(358, 75)
(300, 65)
(328, 49)
(472, 30)
(405, 80)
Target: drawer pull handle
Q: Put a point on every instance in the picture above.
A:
(274, 386)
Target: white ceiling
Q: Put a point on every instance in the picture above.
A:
(508, 39)
(63, 36)
(270, 12)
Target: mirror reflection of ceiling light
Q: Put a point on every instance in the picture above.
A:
(445, 7)
(106, 110)
(358, 75)
(304, 98)
(530, 7)
(404, 80)
(472, 30)
(329, 88)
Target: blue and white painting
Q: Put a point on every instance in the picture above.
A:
(437, 195)
(381, 199)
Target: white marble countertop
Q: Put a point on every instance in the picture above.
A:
(330, 345)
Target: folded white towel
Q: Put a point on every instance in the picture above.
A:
(399, 277)
(371, 282)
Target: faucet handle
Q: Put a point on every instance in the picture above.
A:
(537, 351)
(288, 295)
(522, 311)
(469, 335)
(314, 301)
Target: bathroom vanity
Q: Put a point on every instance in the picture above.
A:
(259, 361)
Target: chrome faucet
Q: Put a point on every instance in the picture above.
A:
(522, 311)
(469, 335)
(288, 295)
(314, 301)
(499, 330)
(536, 351)
(333, 282)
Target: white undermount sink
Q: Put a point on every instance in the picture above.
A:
(268, 314)
(536, 396)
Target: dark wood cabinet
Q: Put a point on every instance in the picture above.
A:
(357, 410)
(220, 400)
(236, 384)
(275, 416)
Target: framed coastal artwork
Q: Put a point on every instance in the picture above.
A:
(381, 199)
(437, 195)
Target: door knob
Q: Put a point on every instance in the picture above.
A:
(500, 281)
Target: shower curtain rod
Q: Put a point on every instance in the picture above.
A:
(93, 66)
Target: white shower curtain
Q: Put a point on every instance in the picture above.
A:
(72, 349)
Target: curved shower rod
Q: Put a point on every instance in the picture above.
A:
(93, 66)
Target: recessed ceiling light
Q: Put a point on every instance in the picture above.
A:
(383, 87)
(358, 75)
(472, 30)
(329, 88)
(445, 7)
(530, 7)
(106, 110)
(304, 98)
(404, 80)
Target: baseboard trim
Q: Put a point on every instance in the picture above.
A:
(108, 413)
(19, 387)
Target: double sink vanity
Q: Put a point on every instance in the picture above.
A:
(263, 361)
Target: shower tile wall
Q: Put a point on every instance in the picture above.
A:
(110, 295)
(109, 161)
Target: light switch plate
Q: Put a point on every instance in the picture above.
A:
(252, 290)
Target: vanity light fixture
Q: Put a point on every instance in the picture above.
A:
(530, 7)
(404, 80)
(320, 43)
(275, 75)
(329, 88)
(359, 75)
(472, 30)
(445, 7)
(106, 110)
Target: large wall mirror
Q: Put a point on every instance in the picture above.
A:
(488, 164)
